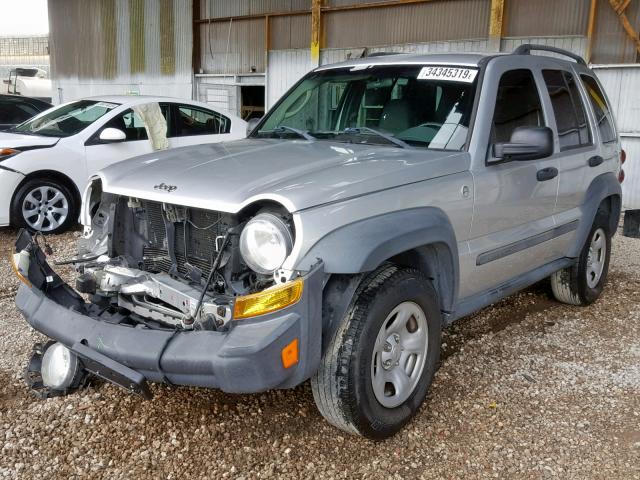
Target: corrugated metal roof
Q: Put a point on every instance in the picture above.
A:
(407, 23)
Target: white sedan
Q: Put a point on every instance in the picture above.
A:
(45, 162)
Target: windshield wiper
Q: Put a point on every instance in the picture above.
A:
(386, 136)
(285, 128)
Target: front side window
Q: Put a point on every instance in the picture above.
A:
(517, 105)
(604, 119)
(422, 106)
(196, 121)
(132, 125)
(66, 120)
(571, 120)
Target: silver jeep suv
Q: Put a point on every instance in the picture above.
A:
(380, 200)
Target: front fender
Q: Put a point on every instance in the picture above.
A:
(363, 245)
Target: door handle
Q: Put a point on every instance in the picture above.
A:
(547, 174)
(595, 161)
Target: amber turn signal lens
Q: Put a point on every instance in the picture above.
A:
(4, 152)
(268, 301)
(290, 354)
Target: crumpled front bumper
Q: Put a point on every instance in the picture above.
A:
(245, 359)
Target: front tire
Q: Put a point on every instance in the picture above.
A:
(377, 368)
(46, 206)
(582, 283)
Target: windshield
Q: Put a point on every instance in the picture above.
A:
(419, 105)
(65, 120)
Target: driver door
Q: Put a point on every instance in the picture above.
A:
(514, 202)
(101, 154)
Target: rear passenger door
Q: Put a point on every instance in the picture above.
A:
(575, 146)
(196, 125)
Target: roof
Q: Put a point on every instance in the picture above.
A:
(466, 59)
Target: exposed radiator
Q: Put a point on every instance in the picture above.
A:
(195, 239)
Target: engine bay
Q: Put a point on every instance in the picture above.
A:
(165, 265)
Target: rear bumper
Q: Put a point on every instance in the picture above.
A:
(9, 181)
(245, 359)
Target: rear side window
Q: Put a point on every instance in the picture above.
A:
(517, 105)
(194, 121)
(571, 119)
(604, 119)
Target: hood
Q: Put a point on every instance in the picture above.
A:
(296, 173)
(17, 140)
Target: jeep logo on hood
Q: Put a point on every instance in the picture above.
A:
(165, 187)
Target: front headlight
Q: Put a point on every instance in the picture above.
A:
(265, 243)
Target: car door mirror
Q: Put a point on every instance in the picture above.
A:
(112, 135)
(253, 123)
(526, 143)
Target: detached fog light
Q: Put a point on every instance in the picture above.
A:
(59, 367)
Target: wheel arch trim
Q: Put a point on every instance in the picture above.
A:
(603, 187)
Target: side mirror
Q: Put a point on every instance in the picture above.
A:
(112, 135)
(253, 123)
(527, 143)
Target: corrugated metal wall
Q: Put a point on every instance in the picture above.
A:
(120, 46)
(621, 85)
(538, 18)
(235, 8)
(610, 42)
(407, 23)
(233, 47)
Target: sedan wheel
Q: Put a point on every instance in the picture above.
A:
(45, 208)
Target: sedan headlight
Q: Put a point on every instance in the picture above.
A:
(265, 243)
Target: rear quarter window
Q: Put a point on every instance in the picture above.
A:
(571, 118)
(601, 110)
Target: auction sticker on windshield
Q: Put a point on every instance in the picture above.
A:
(451, 74)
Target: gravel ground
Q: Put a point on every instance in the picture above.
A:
(528, 388)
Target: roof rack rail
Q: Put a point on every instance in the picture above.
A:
(526, 48)
(382, 54)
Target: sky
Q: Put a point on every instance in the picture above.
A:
(23, 17)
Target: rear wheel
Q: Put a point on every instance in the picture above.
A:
(378, 367)
(46, 206)
(582, 283)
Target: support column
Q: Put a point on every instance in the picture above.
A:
(316, 25)
(496, 20)
(590, 29)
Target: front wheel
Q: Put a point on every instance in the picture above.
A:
(46, 206)
(582, 283)
(378, 367)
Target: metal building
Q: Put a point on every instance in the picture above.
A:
(23, 51)
(242, 55)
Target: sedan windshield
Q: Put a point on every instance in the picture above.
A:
(399, 105)
(65, 120)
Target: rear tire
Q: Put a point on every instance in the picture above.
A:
(46, 206)
(582, 283)
(377, 368)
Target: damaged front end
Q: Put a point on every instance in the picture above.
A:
(170, 298)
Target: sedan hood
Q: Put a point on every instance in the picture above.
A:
(17, 140)
(298, 174)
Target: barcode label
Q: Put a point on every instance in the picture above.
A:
(451, 74)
